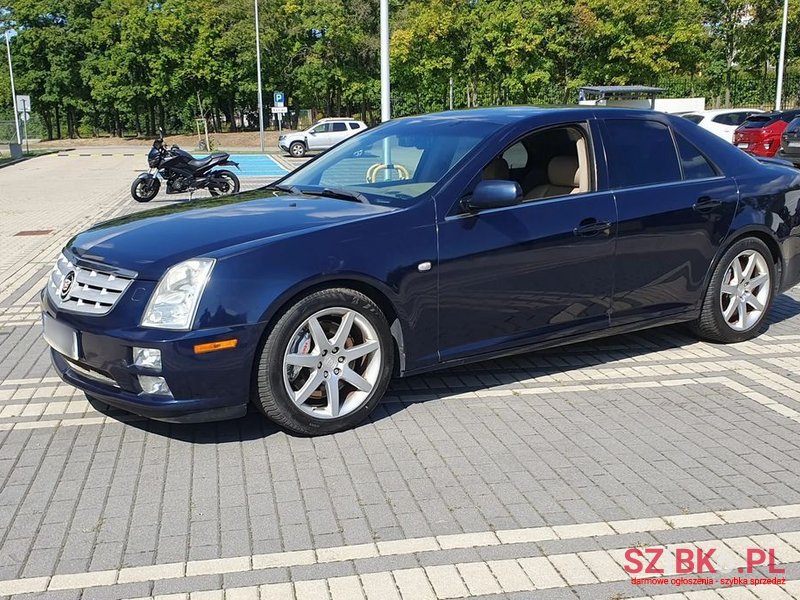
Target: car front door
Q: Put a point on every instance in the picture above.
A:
(317, 138)
(513, 276)
(674, 208)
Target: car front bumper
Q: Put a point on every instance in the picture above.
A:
(205, 387)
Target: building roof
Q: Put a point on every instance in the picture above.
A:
(620, 90)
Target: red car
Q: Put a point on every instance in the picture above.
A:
(760, 134)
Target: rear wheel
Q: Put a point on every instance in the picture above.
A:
(224, 183)
(739, 294)
(297, 149)
(144, 189)
(326, 363)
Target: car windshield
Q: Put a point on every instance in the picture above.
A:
(394, 164)
(693, 118)
(794, 126)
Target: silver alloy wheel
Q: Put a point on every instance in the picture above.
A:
(332, 363)
(297, 150)
(745, 290)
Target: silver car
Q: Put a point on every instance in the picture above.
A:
(324, 134)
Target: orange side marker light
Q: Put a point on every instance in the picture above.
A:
(214, 346)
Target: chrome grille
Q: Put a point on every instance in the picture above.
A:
(93, 292)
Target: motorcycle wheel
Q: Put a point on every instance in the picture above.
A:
(144, 189)
(226, 183)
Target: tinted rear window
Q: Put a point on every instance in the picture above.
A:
(695, 164)
(759, 121)
(640, 152)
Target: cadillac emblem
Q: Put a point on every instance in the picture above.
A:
(66, 284)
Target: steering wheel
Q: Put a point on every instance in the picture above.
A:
(374, 170)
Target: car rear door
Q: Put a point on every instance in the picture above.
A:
(674, 206)
(523, 274)
(338, 132)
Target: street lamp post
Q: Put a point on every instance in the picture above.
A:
(779, 90)
(260, 94)
(386, 102)
(13, 91)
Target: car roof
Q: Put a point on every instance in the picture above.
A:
(722, 111)
(505, 115)
(328, 119)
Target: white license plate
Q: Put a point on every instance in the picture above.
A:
(794, 144)
(743, 145)
(61, 338)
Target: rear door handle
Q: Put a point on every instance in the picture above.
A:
(705, 204)
(591, 227)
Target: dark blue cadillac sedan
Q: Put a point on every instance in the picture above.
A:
(426, 242)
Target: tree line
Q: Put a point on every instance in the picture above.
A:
(131, 66)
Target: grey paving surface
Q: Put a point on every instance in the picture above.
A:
(639, 426)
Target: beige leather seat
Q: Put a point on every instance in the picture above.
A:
(497, 169)
(562, 179)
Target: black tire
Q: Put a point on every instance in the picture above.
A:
(711, 325)
(231, 184)
(144, 189)
(269, 392)
(297, 149)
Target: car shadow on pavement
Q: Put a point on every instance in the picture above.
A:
(508, 372)
(253, 426)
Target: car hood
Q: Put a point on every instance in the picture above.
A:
(152, 241)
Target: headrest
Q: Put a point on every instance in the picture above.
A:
(563, 171)
(497, 169)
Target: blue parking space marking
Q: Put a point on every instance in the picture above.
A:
(258, 165)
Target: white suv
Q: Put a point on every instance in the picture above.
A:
(721, 122)
(324, 134)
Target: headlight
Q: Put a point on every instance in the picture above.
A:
(174, 303)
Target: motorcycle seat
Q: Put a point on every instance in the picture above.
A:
(199, 163)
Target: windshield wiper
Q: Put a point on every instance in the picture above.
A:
(340, 193)
(292, 189)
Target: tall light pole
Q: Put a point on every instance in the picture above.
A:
(260, 94)
(13, 91)
(779, 90)
(386, 102)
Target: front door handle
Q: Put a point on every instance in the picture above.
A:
(705, 204)
(591, 227)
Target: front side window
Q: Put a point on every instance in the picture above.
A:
(547, 163)
(396, 163)
(640, 152)
(321, 128)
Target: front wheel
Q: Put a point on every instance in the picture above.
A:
(326, 363)
(145, 187)
(224, 183)
(297, 149)
(739, 294)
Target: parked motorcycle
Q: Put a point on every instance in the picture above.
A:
(184, 173)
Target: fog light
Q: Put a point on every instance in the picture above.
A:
(154, 385)
(147, 358)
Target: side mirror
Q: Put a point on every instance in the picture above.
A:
(493, 193)
(312, 132)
